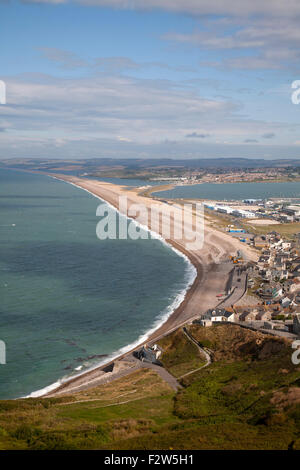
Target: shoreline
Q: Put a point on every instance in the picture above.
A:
(143, 337)
(199, 295)
(149, 335)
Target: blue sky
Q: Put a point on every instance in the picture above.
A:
(137, 78)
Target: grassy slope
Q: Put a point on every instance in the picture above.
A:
(287, 230)
(248, 398)
(180, 355)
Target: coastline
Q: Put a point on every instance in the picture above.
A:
(144, 337)
(184, 309)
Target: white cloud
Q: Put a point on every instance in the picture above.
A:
(270, 28)
(109, 106)
(265, 42)
(73, 147)
(286, 8)
(113, 113)
(65, 59)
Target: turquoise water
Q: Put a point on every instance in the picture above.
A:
(68, 299)
(228, 191)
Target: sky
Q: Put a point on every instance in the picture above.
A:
(149, 78)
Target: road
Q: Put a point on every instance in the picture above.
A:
(238, 283)
(122, 368)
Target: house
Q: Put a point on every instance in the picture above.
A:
(149, 354)
(264, 316)
(218, 317)
(231, 316)
(296, 271)
(270, 292)
(205, 322)
(284, 274)
(273, 236)
(247, 316)
(260, 242)
(221, 315)
(285, 302)
(286, 285)
(275, 325)
(279, 263)
(262, 261)
(274, 274)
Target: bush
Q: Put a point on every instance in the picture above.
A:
(25, 433)
(101, 433)
(51, 441)
(3, 432)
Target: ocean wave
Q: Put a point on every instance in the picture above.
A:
(44, 391)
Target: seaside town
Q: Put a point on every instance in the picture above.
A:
(221, 175)
(150, 229)
(267, 292)
(271, 211)
(271, 297)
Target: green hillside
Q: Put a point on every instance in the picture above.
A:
(248, 398)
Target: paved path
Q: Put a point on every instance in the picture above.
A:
(108, 377)
(202, 351)
(164, 374)
(239, 289)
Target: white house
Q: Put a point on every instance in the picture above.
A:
(286, 302)
(223, 316)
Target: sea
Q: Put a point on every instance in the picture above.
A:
(69, 301)
(233, 191)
